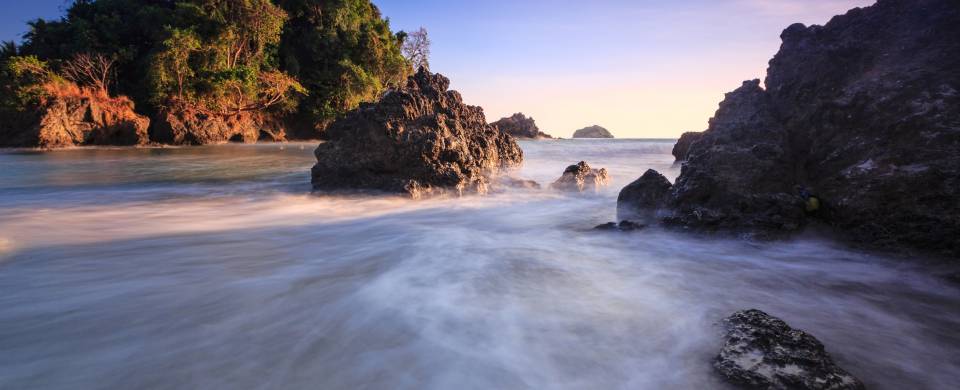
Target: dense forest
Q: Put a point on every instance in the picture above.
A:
(299, 62)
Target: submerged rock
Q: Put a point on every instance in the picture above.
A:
(862, 114)
(74, 120)
(763, 352)
(592, 132)
(682, 147)
(580, 177)
(623, 226)
(185, 126)
(519, 126)
(418, 140)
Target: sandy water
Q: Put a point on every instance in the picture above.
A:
(213, 267)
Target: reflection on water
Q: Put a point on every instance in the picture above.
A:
(213, 268)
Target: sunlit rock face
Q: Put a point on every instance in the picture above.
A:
(82, 118)
(580, 177)
(763, 352)
(862, 113)
(419, 140)
(520, 126)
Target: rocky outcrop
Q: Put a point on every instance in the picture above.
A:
(592, 132)
(644, 199)
(186, 126)
(74, 120)
(682, 147)
(519, 126)
(862, 115)
(763, 352)
(419, 140)
(580, 177)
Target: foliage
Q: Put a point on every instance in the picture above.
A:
(318, 57)
(24, 83)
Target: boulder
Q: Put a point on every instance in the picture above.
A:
(418, 140)
(862, 114)
(186, 126)
(592, 132)
(643, 199)
(519, 126)
(580, 177)
(77, 119)
(763, 352)
(682, 147)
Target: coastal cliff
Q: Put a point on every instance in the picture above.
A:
(858, 128)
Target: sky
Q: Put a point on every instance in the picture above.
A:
(642, 69)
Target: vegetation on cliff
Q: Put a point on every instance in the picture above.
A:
(306, 60)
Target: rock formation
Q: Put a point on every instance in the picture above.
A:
(580, 177)
(592, 132)
(75, 119)
(643, 199)
(185, 126)
(418, 140)
(519, 126)
(763, 352)
(682, 148)
(862, 114)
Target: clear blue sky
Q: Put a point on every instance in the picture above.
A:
(640, 68)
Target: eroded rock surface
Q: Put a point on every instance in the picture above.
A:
(863, 114)
(592, 132)
(184, 126)
(75, 120)
(519, 126)
(581, 177)
(682, 147)
(419, 140)
(763, 352)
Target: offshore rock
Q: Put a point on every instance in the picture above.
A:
(862, 114)
(592, 132)
(580, 177)
(419, 140)
(682, 147)
(763, 352)
(519, 126)
(643, 199)
(79, 119)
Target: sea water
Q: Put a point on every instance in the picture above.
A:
(215, 267)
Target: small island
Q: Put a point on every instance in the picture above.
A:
(520, 126)
(592, 132)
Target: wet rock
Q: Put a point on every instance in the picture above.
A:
(580, 177)
(592, 132)
(519, 126)
(682, 147)
(623, 226)
(510, 181)
(862, 113)
(75, 120)
(419, 140)
(763, 352)
(643, 199)
(186, 126)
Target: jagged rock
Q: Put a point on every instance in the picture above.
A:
(682, 148)
(644, 198)
(73, 120)
(592, 132)
(580, 177)
(186, 126)
(763, 352)
(418, 140)
(519, 126)
(863, 113)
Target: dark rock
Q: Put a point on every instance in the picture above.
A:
(623, 226)
(682, 148)
(580, 177)
(74, 120)
(763, 352)
(185, 126)
(592, 132)
(608, 226)
(510, 181)
(519, 126)
(418, 140)
(862, 113)
(644, 198)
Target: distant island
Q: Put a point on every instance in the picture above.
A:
(592, 132)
